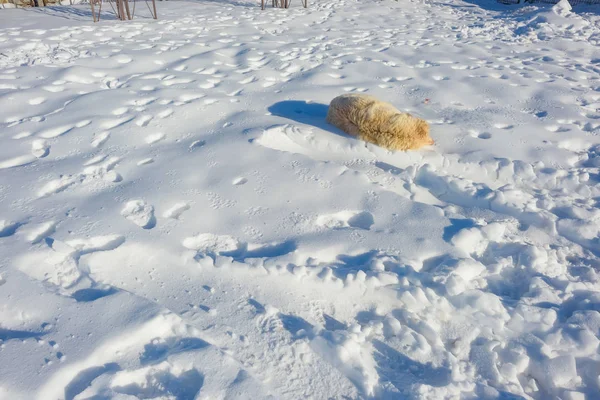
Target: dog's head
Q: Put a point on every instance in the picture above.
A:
(423, 133)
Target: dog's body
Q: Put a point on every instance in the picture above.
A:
(378, 122)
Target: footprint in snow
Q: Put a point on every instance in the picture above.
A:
(8, 228)
(165, 114)
(55, 132)
(248, 80)
(556, 128)
(155, 137)
(124, 59)
(100, 139)
(36, 101)
(140, 213)
(39, 148)
(176, 211)
(83, 123)
(347, 219)
(480, 135)
(196, 144)
(120, 111)
(113, 123)
(143, 121)
(145, 161)
(22, 135)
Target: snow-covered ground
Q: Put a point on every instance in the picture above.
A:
(177, 220)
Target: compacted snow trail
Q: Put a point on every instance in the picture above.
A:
(178, 221)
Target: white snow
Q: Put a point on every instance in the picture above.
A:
(210, 243)
(140, 213)
(178, 221)
(176, 211)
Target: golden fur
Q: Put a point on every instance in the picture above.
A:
(378, 122)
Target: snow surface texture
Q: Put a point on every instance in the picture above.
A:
(177, 221)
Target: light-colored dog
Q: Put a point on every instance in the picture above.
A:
(377, 122)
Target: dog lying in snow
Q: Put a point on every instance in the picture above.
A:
(378, 122)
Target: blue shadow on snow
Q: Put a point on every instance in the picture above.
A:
(313, 114)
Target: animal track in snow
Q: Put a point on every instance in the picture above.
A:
(218, 202)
